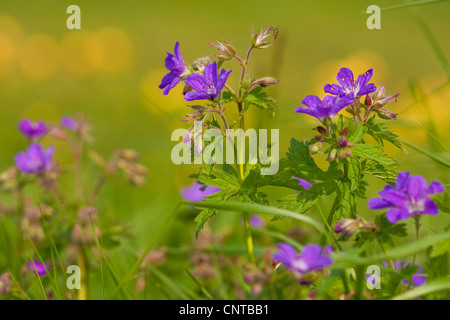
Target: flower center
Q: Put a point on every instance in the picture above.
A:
(210, 89)
(300, 265)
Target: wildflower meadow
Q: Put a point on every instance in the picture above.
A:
(248, 160)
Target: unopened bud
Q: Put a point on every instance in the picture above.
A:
(200, 64)
(332, 155)
(344, 132)
(315, 148)
(368, 101)
(321, 130)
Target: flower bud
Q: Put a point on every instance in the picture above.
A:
(368, 101)
(228, 51)
(344, 132)
(315, 148)
(200, 64)
(321, 130)
(332, 155)
(263, 82)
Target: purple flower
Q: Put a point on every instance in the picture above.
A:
(409, 197)
(256, 221)
(198, 192)
(418, 278)
(33, 130)
(207, 86)
(35, 266)
(328, 107)
(304, 183)
(349, 85)
(35, 159)
(69, 123)
(313, 257)
(178, 69)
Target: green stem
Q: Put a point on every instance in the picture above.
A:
(248, 238)
(391, 264)
(82, 265)
(323, 239)
(417, 225)
(246, 216)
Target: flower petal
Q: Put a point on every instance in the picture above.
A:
(430, 207)
(333, 89)
(417, 186)
(312, 101)
(170, 61)
(192, 95)
(378, 203)
(172, 85)
(196, 82)
(222, 79)
(402, 180)
(345, 79)
(167, 80)
(435, 187)
(211, 74)
(395, 214)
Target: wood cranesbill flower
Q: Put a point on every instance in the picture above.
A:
(208, 86)
(35, 159)
(409, 197)
(36, 267)
(328, 107)
(33, 130)
(198, 192)
(347, 84)
(177, 67)
(312, 258)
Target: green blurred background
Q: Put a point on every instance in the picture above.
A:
(111, 68)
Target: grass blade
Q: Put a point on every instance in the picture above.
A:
(257, 208)
(431, 40)
(426, 153)
(433, 286)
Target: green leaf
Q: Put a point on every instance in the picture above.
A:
(302, 163)
(356, 131)
(201, 219)
(379, 131)
(368, 151)
(227, 97)
(222, 179)
(259, 99)
(307, 199)
(387, 174)
(346, 205)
